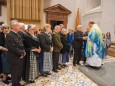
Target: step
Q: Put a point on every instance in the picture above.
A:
(111, 51)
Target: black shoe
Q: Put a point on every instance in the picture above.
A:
(1, 76)
(62, 66)
(44, 75)
(59, 68)
(8, 78)
(55, 71)
(65, 65)
(74, 65)
(31, 82)
(78, 64)
(48, 73)
(84, 63)
(6, 82)
(18, 85)
(22, 85)
(37, 77)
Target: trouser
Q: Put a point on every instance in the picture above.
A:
(84, 56)
(16, 73)
(60, 59)
(24, 67)
(41, 63)
(0, 64)
(71, 50)
(64, 58)
(77, 56)
(55, 60)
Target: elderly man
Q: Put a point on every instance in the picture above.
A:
(78, 44)
(57, 45)
(22, 30)
(22, 33)
(16, 53)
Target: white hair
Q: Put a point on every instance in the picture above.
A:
(64, 31)
(21, 24)
(13, 22)
(79, 26)
(4, 26)
(57, 26)
(30, 26)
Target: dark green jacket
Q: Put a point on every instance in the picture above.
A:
(57, 45)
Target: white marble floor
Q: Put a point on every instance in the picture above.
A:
(70, 76)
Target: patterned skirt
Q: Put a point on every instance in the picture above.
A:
(47, 61)
(33, 71)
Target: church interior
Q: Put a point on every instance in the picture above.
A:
(56, 12)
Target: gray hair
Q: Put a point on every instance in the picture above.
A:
(30, 26)
(61, 25)
(13, 22)
(45, 27)
(57, 26)
(79, 26)
(64, 31)
(21, 24)
(4, 26)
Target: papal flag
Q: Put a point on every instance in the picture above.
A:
(77, 22)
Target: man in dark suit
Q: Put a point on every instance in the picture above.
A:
(78, 44)
(22, 33)
(16, 53)
(57, 45)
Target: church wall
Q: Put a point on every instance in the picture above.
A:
(3, 17)
(103, 15)
(91, 17)
(108, 17)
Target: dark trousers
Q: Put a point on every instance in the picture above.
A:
(41, 63)
(84, 59)
(24, 67)
(77, 56)
(64, 58)
(16, 73)
(0, 64)
(55, 58)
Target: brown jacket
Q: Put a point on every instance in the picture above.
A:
(57, 45)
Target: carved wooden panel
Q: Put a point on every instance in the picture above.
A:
(57, 13)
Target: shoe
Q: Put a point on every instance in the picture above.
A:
(84, 63)
(31, 82)
(48, 73)
(55, 71)
(37, 77)
(22, 85)
(8, 78)
(65, 65)
(6, 82)
(74, 65)
(59, 68)
(1, 76)
(44, 75)
(78, 64)
(62, 66)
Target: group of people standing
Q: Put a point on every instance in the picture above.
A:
(26, 54)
